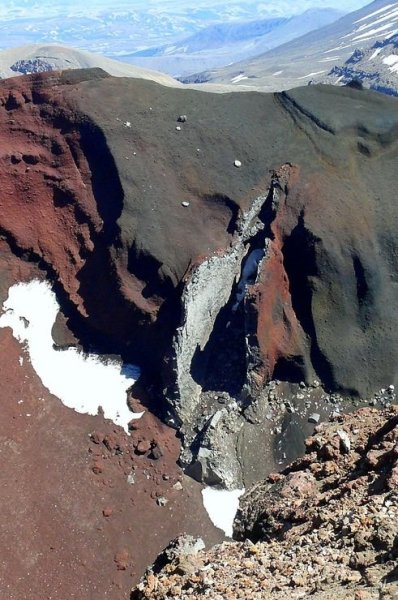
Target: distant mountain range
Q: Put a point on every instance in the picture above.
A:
(362, 46)
(223, 43)
(313, 55)
(119, 27)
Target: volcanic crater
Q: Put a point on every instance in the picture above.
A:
(215, 279)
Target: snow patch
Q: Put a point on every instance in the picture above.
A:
(330, 58)
(239, 78)
(311, 74)
(390, 60)
(375, 53)
(170, 49)
(376, 12)
(391, 17)
(222, 506)
(82, 382)
(385, 36)
(372, 33)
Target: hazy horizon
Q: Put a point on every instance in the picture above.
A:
(121, 27)
(14, 9)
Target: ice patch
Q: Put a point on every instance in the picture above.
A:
(82, 382)
(222, 506)
(277, 73)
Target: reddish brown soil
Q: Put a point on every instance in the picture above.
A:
(70, 524)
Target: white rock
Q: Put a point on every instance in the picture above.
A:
(345, 440)
(314, 418)
(178, 128)
(162, 501)
(186, 204)
(237, 163)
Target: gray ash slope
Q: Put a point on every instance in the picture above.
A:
(297, 62)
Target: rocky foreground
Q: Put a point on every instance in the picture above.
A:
(326, 527)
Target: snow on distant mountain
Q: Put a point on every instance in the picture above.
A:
(311, 56)
(375, 68)
(223, 43)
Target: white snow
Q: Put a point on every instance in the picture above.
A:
(222, 506)
(375, 53)
(385, 35)
(239, 78)
(330, 58)
(82, 382)
(311, 74)
(277, 73)
(391, 17)
(390, 60)
(334, 49)
(372, 33)
(376, 12)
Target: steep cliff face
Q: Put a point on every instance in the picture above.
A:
(214, 277)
